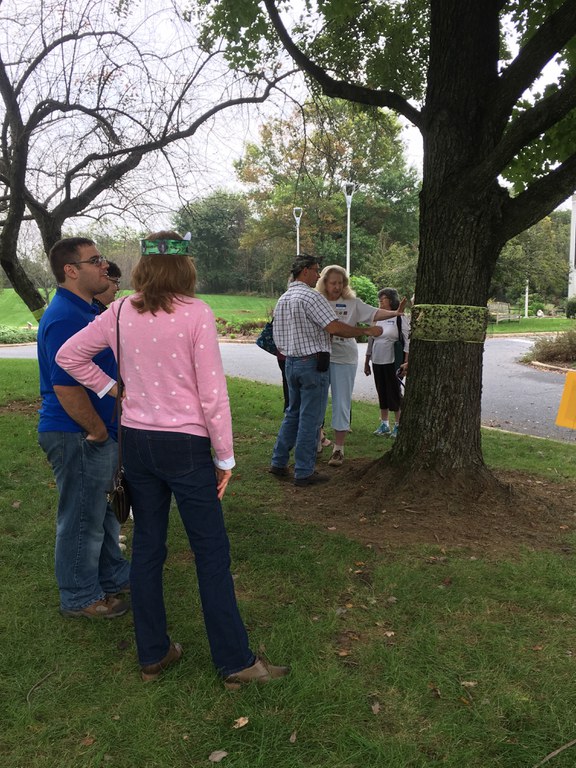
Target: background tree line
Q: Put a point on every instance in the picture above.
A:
(245, 241)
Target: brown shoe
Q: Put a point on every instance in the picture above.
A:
(312, 479)
(260, 672)
(152, 672)
(107, 608)
(122, 591)
(337, 459)
(278, 471)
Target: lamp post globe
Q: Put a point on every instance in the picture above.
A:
(348, 188)
(297, 213)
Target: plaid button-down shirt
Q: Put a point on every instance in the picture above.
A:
(299, 321)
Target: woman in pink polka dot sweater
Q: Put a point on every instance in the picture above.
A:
(177, 439)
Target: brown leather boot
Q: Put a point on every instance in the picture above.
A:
(260, 672)
(152, 672)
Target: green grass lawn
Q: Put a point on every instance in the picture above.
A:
(13, 311)
(390, 669)
(532, 325)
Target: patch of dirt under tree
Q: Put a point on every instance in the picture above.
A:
(366, 501)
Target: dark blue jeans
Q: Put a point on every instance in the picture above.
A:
(159, 464)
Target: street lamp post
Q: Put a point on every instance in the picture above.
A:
(348, 187)
(297, 213)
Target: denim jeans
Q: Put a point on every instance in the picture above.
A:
(159, 464)
(88, 560)
(308, 395)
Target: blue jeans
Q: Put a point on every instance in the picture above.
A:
(88, 560)
(159, 464)
(308, 395)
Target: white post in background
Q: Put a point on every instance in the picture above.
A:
(526, 297)
(348, 187)
(572, 258)
(297, 213)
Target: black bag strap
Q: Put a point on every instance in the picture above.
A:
(119, 385)
(400, 334)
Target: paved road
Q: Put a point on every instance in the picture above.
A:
(515, 397)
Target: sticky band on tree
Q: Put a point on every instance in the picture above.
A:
(165, 247)
(449, 322)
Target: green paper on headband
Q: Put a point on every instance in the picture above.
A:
(164, 247)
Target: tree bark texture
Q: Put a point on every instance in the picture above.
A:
(459, 238)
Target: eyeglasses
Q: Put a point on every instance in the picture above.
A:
(97, 261)
(115, 280)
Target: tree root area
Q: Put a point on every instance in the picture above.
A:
(501, 511)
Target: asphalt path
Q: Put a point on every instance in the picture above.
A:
(515, 397)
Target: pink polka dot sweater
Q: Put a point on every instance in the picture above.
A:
(171, 367)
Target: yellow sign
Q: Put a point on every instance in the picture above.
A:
(567, 410)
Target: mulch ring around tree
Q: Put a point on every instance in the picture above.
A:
(502, 512)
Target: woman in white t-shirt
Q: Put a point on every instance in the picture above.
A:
(334, 284)
(384, 364)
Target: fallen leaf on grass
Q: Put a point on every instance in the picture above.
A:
(469, 683)
(344, 652)
(241, 722)
(16, 504)
(537, 647)
(331, 528)
(375, 707)
(434, 690)
(292, 738)
(87, 741)
(218, 755)
(464, 701)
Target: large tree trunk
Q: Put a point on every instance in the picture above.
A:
(459, 239)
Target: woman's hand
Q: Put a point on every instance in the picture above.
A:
(222, 479)
(367, 369)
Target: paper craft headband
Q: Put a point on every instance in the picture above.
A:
(166, 247)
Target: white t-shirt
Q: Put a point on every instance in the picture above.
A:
(351, 312)
(382, 347)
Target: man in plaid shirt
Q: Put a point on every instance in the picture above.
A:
(303, 323)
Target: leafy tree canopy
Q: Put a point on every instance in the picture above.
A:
(303, 160)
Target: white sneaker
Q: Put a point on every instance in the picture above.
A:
(337, 459)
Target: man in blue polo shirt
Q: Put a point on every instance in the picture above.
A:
(77, 431)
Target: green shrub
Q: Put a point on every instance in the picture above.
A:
(365, 289)
(571, 308)
(10, 335)
(559, 349)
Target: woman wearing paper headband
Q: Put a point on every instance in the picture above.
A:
(175, 410)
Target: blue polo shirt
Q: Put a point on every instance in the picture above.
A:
(65, 315)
